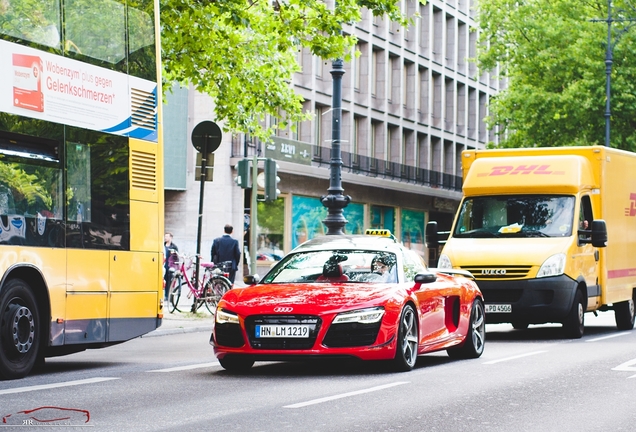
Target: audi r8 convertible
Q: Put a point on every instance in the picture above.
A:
(362, 296)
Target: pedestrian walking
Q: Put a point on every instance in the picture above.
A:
(226, 248)
(170, 263)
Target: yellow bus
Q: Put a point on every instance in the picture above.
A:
(81, 203)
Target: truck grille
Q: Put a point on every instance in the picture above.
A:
(498, 272)
(282, 343)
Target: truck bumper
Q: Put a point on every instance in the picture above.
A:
(533, 301)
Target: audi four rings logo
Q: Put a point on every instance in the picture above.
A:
(283, 309)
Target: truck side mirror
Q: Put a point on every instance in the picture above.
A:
(432, 239)
(599, 233)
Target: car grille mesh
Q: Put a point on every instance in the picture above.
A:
(351, 335)
(282, 343)
(229, 335)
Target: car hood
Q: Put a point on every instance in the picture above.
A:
(307, 298)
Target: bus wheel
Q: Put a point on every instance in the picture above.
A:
(19, 329)
(624, 313)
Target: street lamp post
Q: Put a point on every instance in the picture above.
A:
(335, 200)
(609, 59)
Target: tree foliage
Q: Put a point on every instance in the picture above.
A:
(243, 53)
(552, 54)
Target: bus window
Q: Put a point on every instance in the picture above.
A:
(37, 22)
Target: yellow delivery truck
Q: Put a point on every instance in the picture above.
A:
(549, 234)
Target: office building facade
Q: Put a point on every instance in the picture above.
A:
(412, 101)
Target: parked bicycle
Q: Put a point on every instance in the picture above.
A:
(212, 285)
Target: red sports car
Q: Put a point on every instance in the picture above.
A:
(350, 296)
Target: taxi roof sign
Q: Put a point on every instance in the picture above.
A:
(379, 232)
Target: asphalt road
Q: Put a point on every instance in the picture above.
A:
(530, 380)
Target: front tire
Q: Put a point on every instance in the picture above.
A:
(20, 331)
(407, 341)
(175, 294)
(475, 341)
(574, 324)
(213, 292)
(624, 313)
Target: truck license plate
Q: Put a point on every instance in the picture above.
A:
(498, 308)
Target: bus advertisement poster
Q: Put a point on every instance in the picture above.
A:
(54, 88)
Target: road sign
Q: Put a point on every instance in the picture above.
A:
(207, 133)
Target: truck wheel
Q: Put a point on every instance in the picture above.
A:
(19, 329)
(574, 323)
(624, 313)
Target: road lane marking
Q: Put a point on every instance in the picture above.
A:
(56, 385)
(189, 367)
(344, 395)
(515, 357)
(628, 366)
(608, 337)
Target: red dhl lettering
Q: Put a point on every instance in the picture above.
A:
(521, 169)
(631, 210)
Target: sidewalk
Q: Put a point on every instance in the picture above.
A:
(183, 321)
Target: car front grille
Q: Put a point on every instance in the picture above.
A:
(351, 335)
(282, 343)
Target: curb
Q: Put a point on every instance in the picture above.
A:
(178, 330)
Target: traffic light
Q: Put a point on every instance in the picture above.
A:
(243, 177)
(271, 180)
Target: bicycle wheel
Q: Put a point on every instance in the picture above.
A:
(214, 290)
(175, 294)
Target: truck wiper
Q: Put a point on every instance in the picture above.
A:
(479, 233)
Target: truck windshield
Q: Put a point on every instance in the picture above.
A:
(515, 216)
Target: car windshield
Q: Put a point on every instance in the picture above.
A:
(349, 266)
(515, 216)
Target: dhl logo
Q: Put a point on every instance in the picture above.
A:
(631, 210)
(521, 169)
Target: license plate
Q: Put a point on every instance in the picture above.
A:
(282, 331)
(498, 308)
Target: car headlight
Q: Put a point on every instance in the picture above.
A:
(225, 317)
(444, 262)
(553, 266)
(362, 316)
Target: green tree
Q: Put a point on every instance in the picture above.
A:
(553, 56)
(243, 52)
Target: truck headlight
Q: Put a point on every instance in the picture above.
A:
(553, 266)
(444, 262)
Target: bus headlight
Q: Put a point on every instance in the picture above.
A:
(553, 266)
(444, 262)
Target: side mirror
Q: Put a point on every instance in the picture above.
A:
(251, 279)
(599, 233)
(425, 278)
(432, 239)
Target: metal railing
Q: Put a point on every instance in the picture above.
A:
(380, 168)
